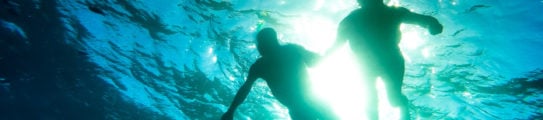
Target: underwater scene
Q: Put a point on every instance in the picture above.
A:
(187, 59)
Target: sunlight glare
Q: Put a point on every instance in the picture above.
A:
(214, 59)
(316, 33)
(282, 2)
(336, 80)
(395, 3)
(411, 38)
(426, 52)
(318, 5)
(210, 50)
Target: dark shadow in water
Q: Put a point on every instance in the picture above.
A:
(50, 79)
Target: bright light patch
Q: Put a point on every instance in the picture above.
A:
(337, 80)
(318, 4)
(210, 50)
(252, 28)
(426, 52)
(394, 3)
(316, 33)
(411, 38)
(412, 41)
(454, 2)
(467, 94)
(342, 5)
(282, 2)
(214, 59)
(252, 46)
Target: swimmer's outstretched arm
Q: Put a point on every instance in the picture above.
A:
(428, 22)
(242, 94)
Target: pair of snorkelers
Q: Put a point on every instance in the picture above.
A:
(373, 33)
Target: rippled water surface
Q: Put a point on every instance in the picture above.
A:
(186, 59)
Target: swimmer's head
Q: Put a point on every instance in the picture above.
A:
(267, 41)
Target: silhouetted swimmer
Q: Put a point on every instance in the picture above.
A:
(373, 33)
(283, 67)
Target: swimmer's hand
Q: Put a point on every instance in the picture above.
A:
(435, 28)
(229, 115)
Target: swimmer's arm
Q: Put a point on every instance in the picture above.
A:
(429, 22)
(242, 94)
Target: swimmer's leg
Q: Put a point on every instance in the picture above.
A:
(393, 79)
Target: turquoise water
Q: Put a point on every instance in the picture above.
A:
(185, 59)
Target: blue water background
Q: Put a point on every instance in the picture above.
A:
(185, 59)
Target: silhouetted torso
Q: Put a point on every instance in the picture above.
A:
(284, 73)
(374, 35)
